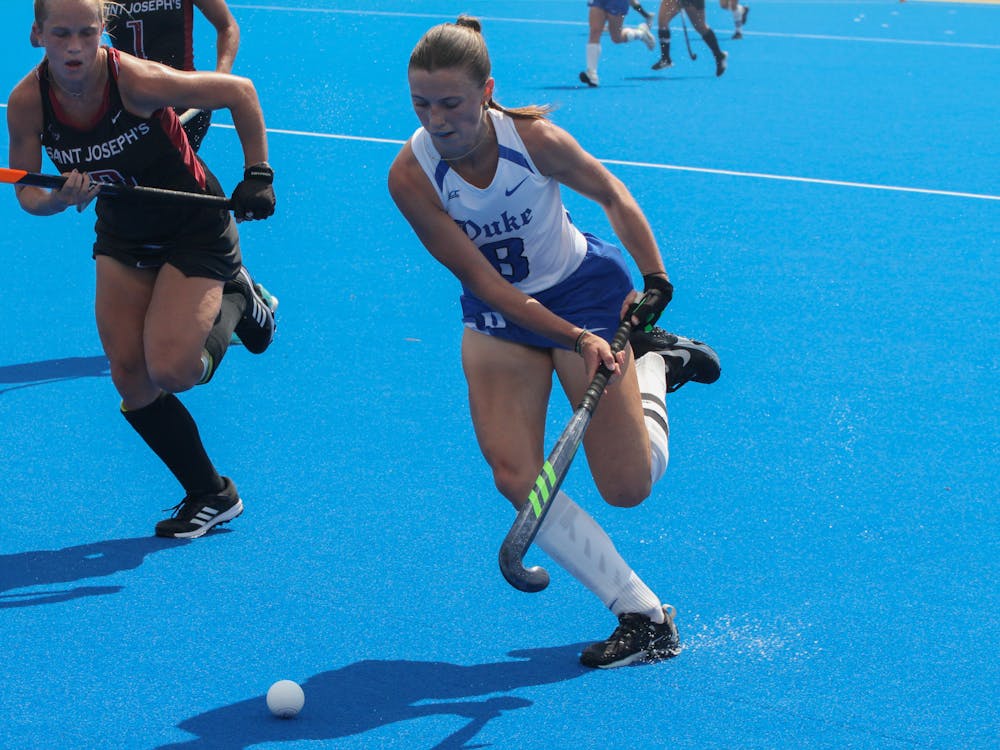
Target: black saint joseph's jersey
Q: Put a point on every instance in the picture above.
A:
(120, 147)
(159, 30)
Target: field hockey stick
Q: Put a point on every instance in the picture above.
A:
(532, 513)
(686, 40)
(20, 177)
(187, 115)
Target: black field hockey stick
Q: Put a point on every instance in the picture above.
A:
(532, 513)
(686, 40)
(20, 177)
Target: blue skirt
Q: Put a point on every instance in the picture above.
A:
(591, 297)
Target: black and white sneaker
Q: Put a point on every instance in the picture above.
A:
(663, 62)
(194, 515)
(720, 64)
(257, 326)
(686, 359)
(636, 640)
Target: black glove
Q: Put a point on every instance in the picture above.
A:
(655, 298)
(254, 197)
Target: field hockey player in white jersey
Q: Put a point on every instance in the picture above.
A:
(480, 185)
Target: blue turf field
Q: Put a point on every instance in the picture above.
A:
(828, 527)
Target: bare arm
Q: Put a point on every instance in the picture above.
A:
(420, 205)
(558, 155)
(147, 86)
(24, 127)
(227, 32)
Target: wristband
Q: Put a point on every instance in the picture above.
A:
(578, 346)
(261, 172)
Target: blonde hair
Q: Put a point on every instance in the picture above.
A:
(42, 11)
(461, 45)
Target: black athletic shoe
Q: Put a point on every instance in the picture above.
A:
(737, 34)
(720, 64)
(589, 77)
(194, 515)
(663, 62)
(686, 359)
(257, 326)
(636, 640)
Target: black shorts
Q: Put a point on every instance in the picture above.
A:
(696, 4)
(211, 255)
(197, 241)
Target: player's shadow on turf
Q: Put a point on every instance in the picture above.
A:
(46, 567)
(368, 695)
(667, 79)
(52, 371)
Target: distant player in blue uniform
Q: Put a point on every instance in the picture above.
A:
(740, 13)
(162, 30)
(170, 286)
(610, 14)
(480, 185)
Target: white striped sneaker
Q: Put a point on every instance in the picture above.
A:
(257, 326)
(194, 515)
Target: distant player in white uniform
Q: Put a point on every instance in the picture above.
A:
(480, 185)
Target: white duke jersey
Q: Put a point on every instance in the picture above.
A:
(519, 222)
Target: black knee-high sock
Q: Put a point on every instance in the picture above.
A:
(217, 343)
(665, 42)
(168, 428)
(712, 42)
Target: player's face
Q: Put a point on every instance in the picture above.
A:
(449, 105)
(71, 35)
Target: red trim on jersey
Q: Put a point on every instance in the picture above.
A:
(171, 125)
(63, 116)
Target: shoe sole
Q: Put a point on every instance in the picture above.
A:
(220, 519)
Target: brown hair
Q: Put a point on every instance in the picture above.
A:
(461, 45)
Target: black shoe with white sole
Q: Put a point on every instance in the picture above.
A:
(686, 359)
(636, 640)
(196, 514)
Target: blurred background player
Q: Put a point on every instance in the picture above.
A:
(647, 16)
(610, 13)
(739, 15)
(695, 10)
(165, 35)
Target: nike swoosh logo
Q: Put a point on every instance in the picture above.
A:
(509, 192)
(684, 354)
(144, 264)
(114, 117)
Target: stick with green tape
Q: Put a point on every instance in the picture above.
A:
(532, 513)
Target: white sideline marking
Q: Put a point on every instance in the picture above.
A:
(678, 168)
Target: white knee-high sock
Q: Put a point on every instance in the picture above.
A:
(593, 57)
(574, 540)
(650, 369)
